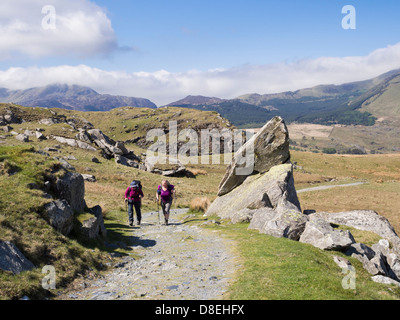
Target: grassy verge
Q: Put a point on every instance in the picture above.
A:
(281, 269)
(22, 224)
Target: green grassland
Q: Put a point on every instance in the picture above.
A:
(271, 268)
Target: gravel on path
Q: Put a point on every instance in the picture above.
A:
(178, 261)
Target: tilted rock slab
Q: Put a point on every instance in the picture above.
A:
(271, 148)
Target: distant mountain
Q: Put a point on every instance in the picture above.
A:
(349, 103)
(197, 100)
(72, 97)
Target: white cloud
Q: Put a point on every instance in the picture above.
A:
(163, 87)
(82, 29)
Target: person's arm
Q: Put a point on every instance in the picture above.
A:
(126, 194)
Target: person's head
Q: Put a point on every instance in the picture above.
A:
(165, 183)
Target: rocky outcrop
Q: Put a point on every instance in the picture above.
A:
(366, 220)
(266, 196)
(270, 146)
(11, 259)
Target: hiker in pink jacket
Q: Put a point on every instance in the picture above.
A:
(134, 195)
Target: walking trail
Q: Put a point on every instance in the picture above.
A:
(178, 261)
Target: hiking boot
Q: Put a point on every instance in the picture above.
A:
(166, 222)
(130, 223)
(138, 223)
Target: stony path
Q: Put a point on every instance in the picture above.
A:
(319, 188)
(179, 261)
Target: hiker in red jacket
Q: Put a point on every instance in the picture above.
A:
(134, 195)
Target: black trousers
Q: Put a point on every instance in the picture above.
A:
(137, 206)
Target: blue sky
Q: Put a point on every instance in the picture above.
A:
(163, 50)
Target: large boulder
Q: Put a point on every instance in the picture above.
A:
(270, 147)
(258, 191)
(11, 259)
(60, 216)
(71, 187)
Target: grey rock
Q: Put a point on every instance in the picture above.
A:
(320, 234)
(7, 129)
(152, 164)
(364, 220)
(125, 161)
(342, 262)
(271, 148)
(258, 191)
(357, 250)
(385, 280)
(93, 227)
(65, 164)
(89, 177)
(11, 259)
(286, 221)
(71, 187)
(22, 137)
(39, 135)
(60, 216)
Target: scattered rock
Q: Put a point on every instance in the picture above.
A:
(89, 177)
(40, 135)
(385, 280)
(342, 262)
(11, 259)
(7, 129)
(22, 137)
(364, 220)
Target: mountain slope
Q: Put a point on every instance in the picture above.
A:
(72, 97)
(324, 104)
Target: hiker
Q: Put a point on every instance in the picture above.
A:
(134, 195)
(165, 193)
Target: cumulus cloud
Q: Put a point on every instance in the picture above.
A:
(163, 87)
(36, 29)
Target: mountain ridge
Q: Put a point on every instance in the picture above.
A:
(70, 97)
(322, 104)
